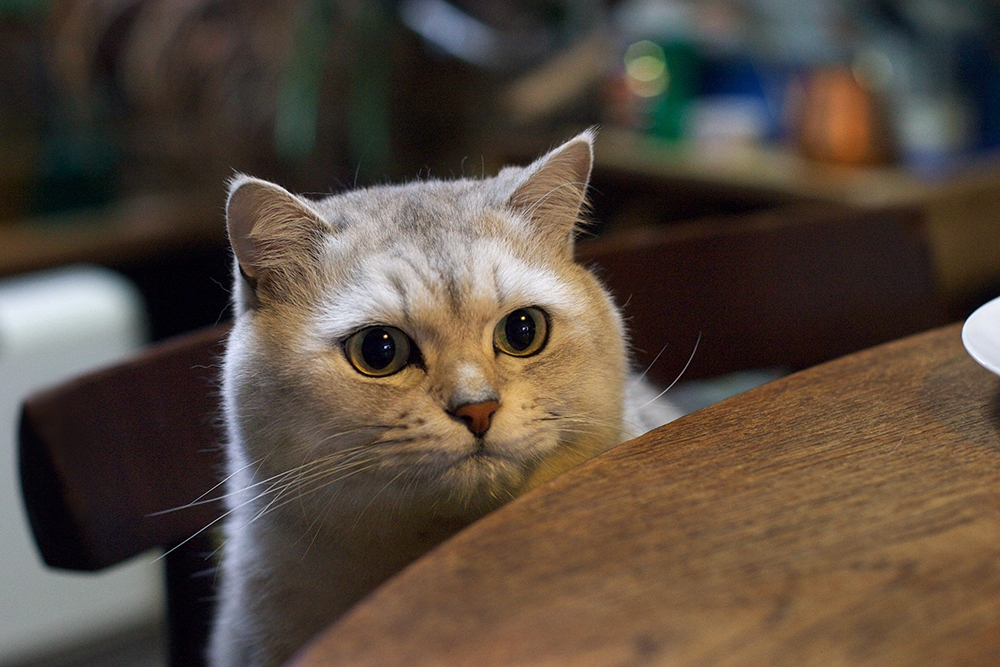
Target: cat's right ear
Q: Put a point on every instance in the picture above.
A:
(555, 190)
(274, 234)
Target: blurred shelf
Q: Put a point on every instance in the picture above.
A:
(139, 227)
(958, 209)
(957, 212)
(786, 173)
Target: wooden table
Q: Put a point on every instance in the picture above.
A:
(845, 515)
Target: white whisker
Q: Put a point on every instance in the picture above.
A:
(679, 376)
(650, 365)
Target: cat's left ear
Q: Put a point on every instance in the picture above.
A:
(555, 191)
(274, 234)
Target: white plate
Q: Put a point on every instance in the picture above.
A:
(981, 335)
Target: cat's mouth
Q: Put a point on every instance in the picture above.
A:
(484, 458)
(482, 454)
(484, 472)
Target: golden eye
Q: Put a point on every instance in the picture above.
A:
(378, 351)
(522, 333)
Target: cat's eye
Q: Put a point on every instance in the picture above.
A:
(378, 351)
(522, 333)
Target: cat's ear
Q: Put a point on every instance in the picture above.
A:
(274, 234)
(555, 190)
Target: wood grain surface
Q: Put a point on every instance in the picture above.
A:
(845, 515)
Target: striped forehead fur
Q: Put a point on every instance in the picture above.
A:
(401, 286)
(431, 245)
(421, 208)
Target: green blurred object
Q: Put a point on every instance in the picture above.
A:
(297, 114)
(75, 171)
(24, 7)
(670, 113)
(369, 107)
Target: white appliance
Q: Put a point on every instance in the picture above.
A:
(54, 325)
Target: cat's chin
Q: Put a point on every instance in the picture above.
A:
(478, 482)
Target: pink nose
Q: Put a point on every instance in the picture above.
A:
(477, 416)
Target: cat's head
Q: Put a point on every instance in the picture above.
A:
(432, 343)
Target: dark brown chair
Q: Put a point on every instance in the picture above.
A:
(102, 455)
(786, 287)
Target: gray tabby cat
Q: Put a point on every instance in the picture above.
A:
(404, 359)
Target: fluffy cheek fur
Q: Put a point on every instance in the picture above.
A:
(299, 426)
(580, 385)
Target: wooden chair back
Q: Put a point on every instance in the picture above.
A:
(104, 455)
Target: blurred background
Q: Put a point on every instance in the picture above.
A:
(872, 125)
(141, 109)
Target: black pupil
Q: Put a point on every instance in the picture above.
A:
(520, 330)
(378, 348)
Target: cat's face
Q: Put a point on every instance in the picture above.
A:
(430, 345)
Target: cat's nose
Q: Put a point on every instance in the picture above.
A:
(477, 416)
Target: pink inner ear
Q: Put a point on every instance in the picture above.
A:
(271, 230)
(554, 193)
(241, 216)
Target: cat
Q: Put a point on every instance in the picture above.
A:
(404, 359)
